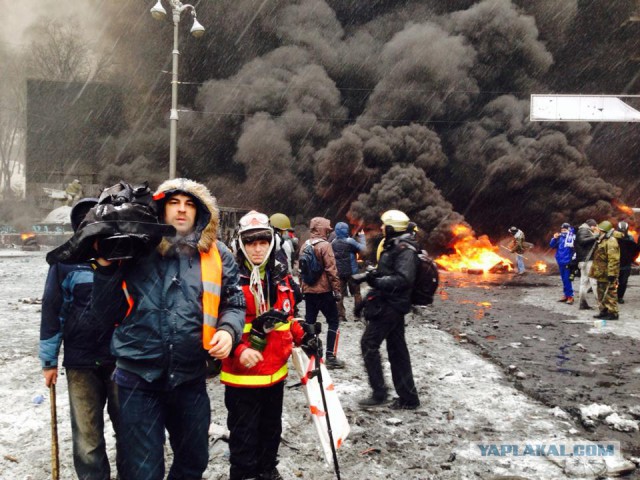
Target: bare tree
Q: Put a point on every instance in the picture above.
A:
(12, 117)
(57, 52)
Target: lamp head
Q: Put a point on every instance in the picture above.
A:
(197, 30)
(158, 12)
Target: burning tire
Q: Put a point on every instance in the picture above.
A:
(29, 242)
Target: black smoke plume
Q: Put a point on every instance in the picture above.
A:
(333, 107)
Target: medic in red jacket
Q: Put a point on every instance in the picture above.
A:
(255, 372)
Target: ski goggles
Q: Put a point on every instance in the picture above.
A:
(254, 220)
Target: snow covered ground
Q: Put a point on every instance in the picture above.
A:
(465, 400)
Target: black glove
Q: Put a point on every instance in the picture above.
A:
(337, 296)
(262, 325)
(312, 346)
(371, 277)
(311, 343)
(611, 279)
(270, 318)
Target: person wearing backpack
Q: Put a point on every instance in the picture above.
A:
(384, 309)
(321, 285)
(345, 249)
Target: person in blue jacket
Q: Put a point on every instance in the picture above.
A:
(66, 316)
(177, 308)
(563, 243)
(345, 249)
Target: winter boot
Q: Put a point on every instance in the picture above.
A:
(621, 300)
(399, 404)
(602, 314)
(332, 363)
(563, 299)
(569, 301)
(272, 474)
(374, 400)
(584, 305)
(611, 316)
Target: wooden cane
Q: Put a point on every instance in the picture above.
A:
(55, 459)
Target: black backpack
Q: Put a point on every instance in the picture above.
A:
(427, 280)
(310, 267)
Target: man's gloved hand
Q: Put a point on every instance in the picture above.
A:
(611, 279)
(337, 296)
(371, 276)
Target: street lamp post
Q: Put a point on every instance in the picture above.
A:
(197, 30)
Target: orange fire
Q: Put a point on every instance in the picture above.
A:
(472, 253)
(26, 236)
(540, 266)
(622, 207)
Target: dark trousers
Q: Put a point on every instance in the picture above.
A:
(255, 425)
(186, 414)
(348, 286)
(385, 323)
(623, 280)
(90, 389)
(325, 303)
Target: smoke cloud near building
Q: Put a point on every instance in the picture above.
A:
(345, 108)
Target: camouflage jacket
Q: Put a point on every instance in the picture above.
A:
(606, 258)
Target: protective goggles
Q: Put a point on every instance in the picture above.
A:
(254, 220)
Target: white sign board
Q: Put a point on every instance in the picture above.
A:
(582, 108)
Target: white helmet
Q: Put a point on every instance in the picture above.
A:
(254, 226)
(396, 220)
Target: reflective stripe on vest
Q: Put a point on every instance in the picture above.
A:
(283, 327)
(254, 380)
(211, 268)
(128, 297)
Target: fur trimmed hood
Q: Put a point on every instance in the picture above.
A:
(208, 217)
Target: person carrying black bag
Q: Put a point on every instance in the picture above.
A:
(177, 308)
(385, 307)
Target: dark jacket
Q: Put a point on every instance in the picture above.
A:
(345, 249)
(66, 314)
(628, 249)
(584, 244)
(160, 339)
(395, 275)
